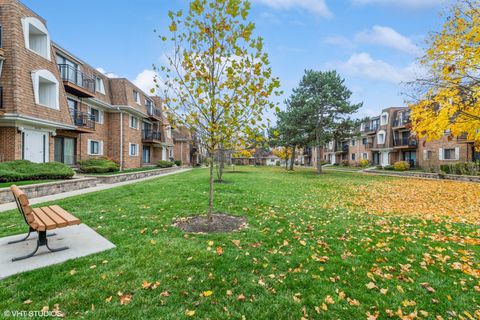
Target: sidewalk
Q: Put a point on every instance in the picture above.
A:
(98, 187)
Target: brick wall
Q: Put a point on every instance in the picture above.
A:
(10, 144)
(434, 146)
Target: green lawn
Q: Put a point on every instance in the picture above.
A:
(297, 258)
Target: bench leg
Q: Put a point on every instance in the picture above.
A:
(28, 235)
(42, 241)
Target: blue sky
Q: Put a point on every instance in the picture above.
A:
(373, 44)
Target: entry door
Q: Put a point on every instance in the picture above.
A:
(35, 146)
(164, 153)
(65, 150)
(384, 156)
(146, 154)
(410, 157)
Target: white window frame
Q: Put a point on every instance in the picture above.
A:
(100, 119)
(384, 123)
(136, 96)
(130, 149)
(169, 132)
(100, 147)
(29, 22)
(130, 122)
(381, 133)
(441, 154)
(99, 88)
(48, 76)
(365, 155)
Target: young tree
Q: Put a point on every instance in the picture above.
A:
(448, 98)
(218, 79)
(323, 100)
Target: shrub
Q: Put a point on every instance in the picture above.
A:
(401, 166)
(25, 170)
(345, 163)
(364, 163)
(165, 164)
(98, 165)
(389, 167)
(178, 163)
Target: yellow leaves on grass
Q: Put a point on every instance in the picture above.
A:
(433, 200)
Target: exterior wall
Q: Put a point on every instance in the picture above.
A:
(359, 151)
(182, 152)
(19, 64)
(465, 151)
(10, 144)
(131, 135)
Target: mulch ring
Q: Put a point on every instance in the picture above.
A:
(220, 223)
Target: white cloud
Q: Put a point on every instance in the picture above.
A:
(318, 7)
(412, 4)
(340, 41)
(362, 65)
(108, 74)
(144, 81)
(388, 37)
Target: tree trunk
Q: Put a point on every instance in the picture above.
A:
(212, 186)
(221, 164)
(319, 161)
(292, 160)
(286, 158)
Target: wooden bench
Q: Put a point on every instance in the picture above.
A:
(41, 220)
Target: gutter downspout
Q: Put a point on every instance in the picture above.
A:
(121, 139)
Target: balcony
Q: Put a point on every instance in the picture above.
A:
(150, 136)
(401, 122)
(154, 113)
(76, 82)
(405, 142)
(370, 129)
(83, 121)
(342, 148)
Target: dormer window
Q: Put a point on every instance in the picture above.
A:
(381, 137)
(99, 86)
(36, 37)
(136, 96)
(384, 119)
(45, 88)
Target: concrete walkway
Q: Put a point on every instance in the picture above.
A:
(98, 187)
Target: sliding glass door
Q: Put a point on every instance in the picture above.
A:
(65, 150)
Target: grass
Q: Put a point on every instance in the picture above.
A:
(22, 183)
(297, 256)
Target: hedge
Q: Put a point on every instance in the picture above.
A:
(98, 165)
(21, 170)
(165, 164)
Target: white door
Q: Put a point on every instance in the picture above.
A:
(332, 158)
(164, 153)
(35, 146)
(384, 159)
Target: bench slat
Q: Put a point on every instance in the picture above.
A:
(46, 220)
(59, 220)
(71, 220)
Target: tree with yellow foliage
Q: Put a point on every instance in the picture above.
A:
(449, 97)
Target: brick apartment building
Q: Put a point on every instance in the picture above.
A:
(388, 138)
(56, 107)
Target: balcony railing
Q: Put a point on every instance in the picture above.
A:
(405, 142)
(369, 128)
(151, 135)
(78, 78)
(83, 120)
(154, 112)
(341, 148)
(401, 122)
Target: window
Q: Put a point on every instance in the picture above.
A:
(36, 37)
(133, 149)
(1, 37)
(136, 96)
(427, 154)
(365, 141)
(133, 122)
(381, 137)
(450, 154)
(353, 156)
(365, 155)
(353, 142)
(96, 115)
(362, 127)
(45, 87)
(99, 87)
(95, 147)
(384, 119)
(169, 132)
